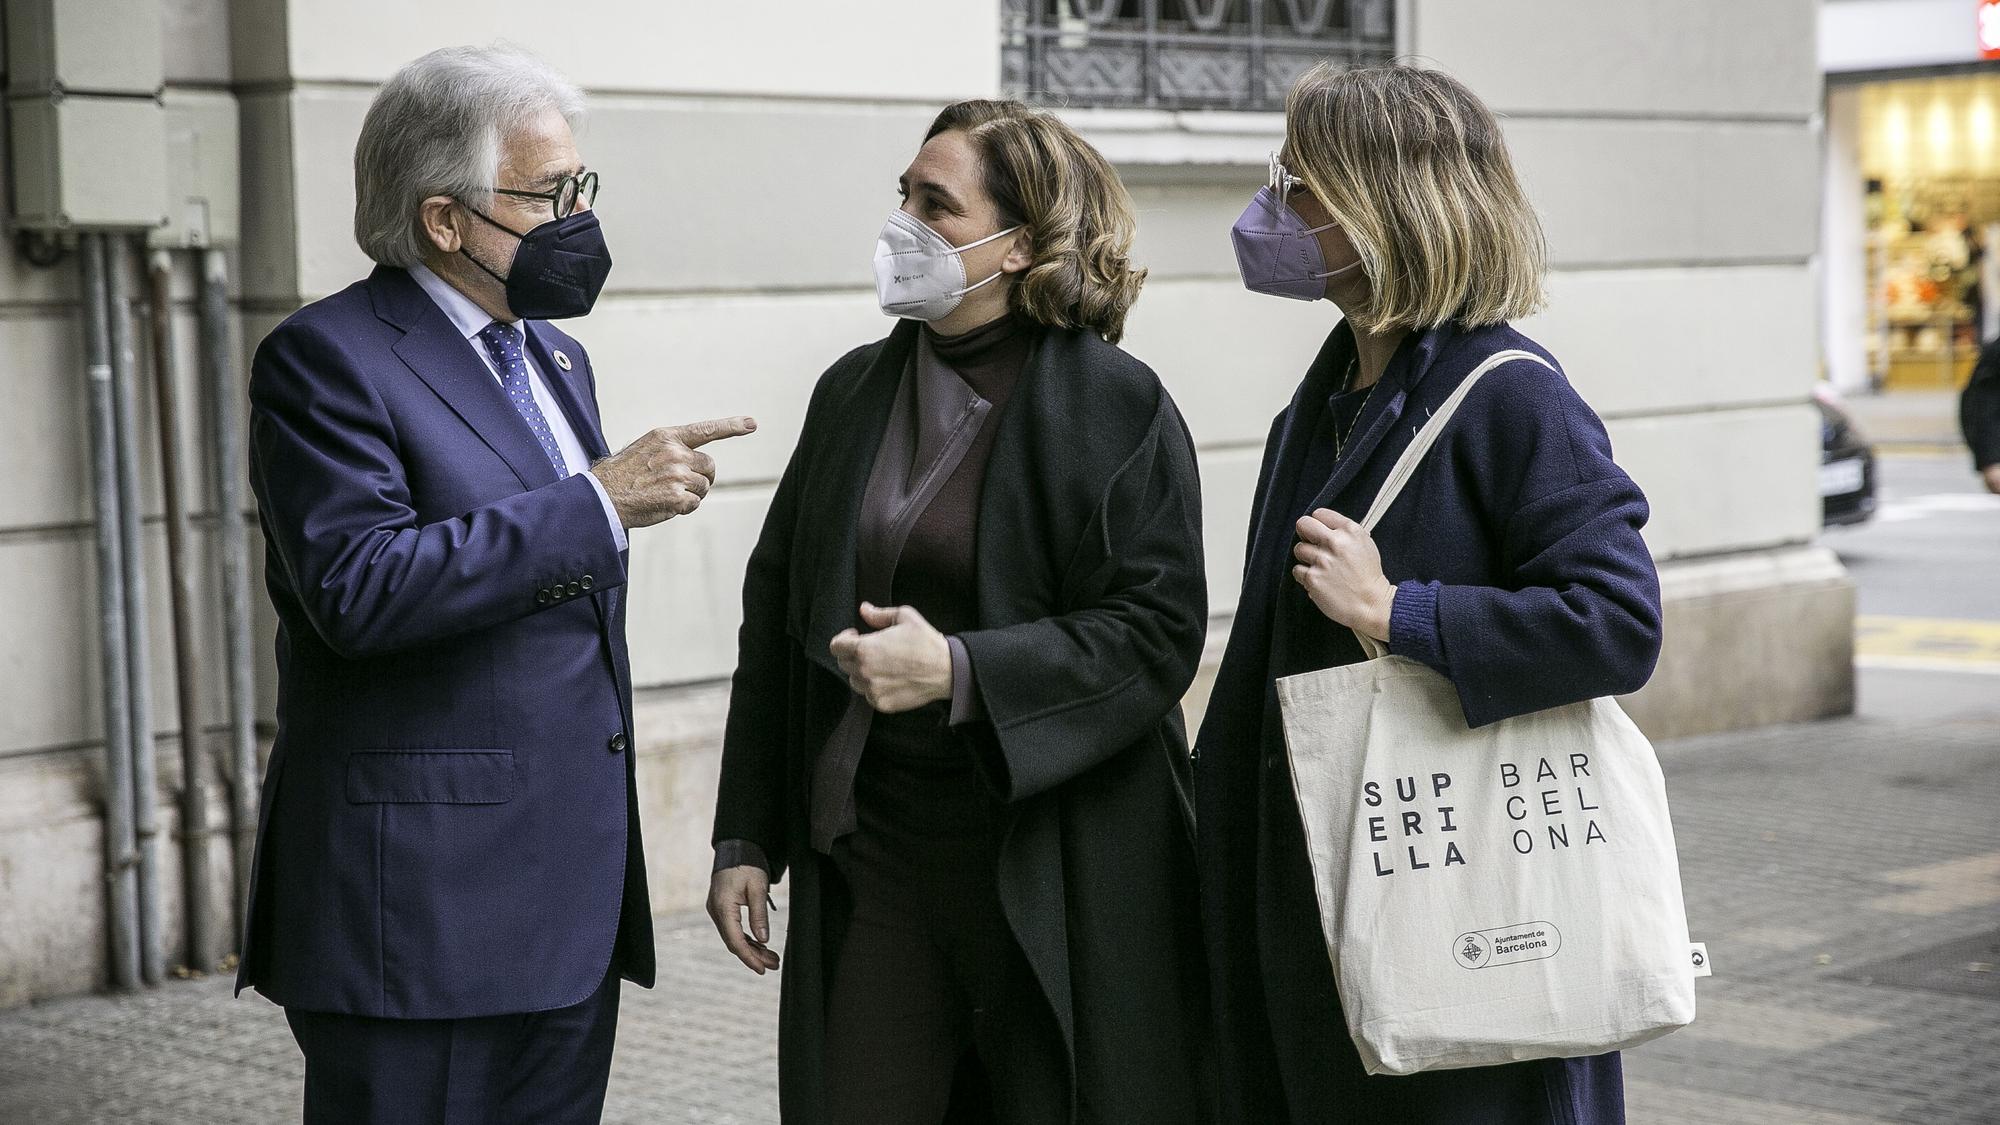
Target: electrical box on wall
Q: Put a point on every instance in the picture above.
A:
(203, 200)
(95, 162)
(87, 130)
(84, 47)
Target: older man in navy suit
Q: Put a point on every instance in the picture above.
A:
(449, 883)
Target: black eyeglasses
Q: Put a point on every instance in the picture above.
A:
(564, 198)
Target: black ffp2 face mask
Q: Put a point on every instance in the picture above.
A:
(558, 269)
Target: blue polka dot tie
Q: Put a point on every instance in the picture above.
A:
(503, 343)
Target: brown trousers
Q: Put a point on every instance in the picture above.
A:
(933, 1013)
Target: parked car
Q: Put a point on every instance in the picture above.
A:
(1846, 463)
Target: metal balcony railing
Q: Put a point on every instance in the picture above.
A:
(1182, 54)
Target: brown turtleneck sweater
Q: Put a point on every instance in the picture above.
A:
(935, 572)
(916, 544)
(932, 567)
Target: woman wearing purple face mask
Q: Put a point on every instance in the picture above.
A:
(1511, 563)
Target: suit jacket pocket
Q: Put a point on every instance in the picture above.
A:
(436, 777)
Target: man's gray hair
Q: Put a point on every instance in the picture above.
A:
(436, 129)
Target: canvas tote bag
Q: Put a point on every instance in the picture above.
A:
(1487, 895)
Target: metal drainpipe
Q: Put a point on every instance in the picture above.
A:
(120, 875)
(180, 579)
(138, 679)
(226, 424)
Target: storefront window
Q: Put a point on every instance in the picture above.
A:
(1930, 160)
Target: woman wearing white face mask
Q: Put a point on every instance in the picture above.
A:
(975, 605)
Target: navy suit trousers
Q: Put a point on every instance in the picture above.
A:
(530, 1068)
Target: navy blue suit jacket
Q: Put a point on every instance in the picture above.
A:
(449, 824)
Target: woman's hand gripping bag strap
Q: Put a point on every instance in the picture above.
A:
(1488, 895)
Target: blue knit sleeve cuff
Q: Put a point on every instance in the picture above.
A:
(1413, 623)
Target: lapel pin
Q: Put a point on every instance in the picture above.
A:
(562, 360)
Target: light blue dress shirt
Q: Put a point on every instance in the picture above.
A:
(469, 319)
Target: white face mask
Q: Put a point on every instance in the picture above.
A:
(918, 274)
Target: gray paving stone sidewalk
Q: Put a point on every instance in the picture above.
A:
(1846, 876)
(1815, 858)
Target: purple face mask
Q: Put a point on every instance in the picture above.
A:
(1277, 253)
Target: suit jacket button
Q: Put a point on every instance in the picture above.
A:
(617, 744)
(575, 588)
(542, 596)
(587, 582)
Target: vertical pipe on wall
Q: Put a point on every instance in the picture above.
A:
(120, 859)
(226, 426)
(195, 866)
(132, 550)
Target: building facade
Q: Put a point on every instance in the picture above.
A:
(749, 154)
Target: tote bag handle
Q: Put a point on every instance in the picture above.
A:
(1406, 465)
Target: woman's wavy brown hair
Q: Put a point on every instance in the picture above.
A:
(1075, 210)
(1413, 167)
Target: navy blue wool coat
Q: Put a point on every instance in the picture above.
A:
(1521, 576)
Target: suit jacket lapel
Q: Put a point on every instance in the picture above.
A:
(562, 383)
(437, 354)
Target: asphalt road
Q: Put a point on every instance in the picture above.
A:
(1927, 572)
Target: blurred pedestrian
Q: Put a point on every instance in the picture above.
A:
(1513, 563)
(1979, 415)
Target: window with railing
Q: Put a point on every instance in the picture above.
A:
(1182, 54)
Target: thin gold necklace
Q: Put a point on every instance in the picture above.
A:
(1340, 440)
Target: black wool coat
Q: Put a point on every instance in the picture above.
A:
(1092, 613)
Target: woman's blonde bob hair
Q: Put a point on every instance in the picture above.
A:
(1412, 166)
(1076, 212)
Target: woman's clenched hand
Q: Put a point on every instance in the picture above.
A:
(1338, 564)
(902, 666)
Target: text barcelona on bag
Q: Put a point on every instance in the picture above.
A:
(1488, 895)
